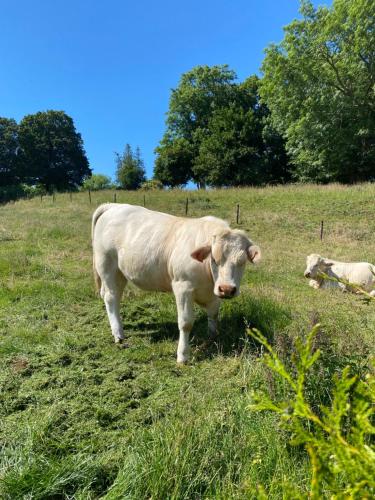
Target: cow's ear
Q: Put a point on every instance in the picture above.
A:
(201, 253)
(327, 263)
(254, 254)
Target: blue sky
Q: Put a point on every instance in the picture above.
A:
(111, 64)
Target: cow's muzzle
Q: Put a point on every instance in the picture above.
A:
(226, 291)
(307, 274)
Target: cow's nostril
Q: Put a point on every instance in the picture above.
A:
(227, 290)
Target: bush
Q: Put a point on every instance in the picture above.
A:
(151, 185)
(97, 182)
(13, 192)
(339, 438)
(31, 191)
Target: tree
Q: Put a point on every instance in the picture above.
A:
(51, 151)
(218, 133)
(241, 147)
(97, 182)
(200, 91)
(130, 173)
(319, 84)
(9, 174)
(173, 164)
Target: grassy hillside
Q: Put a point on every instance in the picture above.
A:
(81, 418)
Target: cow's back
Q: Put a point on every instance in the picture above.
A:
(140, 240)
(359, 273)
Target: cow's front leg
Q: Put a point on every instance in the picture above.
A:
(185, 312)
(212, 314)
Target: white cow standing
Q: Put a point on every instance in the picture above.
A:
(199, 260)
(356, 273)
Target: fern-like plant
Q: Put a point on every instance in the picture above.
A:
(340, 439)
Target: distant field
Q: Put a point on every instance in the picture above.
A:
(83, 419)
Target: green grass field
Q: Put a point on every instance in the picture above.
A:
(83, 419)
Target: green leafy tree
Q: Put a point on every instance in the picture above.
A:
(319, 84)
(97, 182)
(9, 174)
(51, 151)
(130, 173)
(200, 91)
(173, 164)
(242, 147)
(218, 133)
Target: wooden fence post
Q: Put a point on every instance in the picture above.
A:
(321, 230)
(41, 198)
(238, 213)
(187, 206)
(53, 197)
(89, 196)
(114, 198)
(144, 200)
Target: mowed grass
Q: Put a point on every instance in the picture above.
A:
(83, 419)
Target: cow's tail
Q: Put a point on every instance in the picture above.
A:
(98, 212)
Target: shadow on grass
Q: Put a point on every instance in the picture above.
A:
(235, 317)
(243, 313)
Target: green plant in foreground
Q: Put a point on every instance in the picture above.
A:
(350, 286)
(339, 440)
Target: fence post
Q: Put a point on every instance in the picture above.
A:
(187, 206)
(321, 230)
(71, 196)
(89, 196)
(114, 198)
(53, 197)
(144, 200)
(41, 198)
(238, 213)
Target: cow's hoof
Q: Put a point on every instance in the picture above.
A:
(119, 340)
(213, 334)
(182, 361)
(123, 345)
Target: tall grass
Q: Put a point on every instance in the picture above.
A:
(83, 419)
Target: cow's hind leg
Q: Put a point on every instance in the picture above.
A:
(185, 311)
(113, 284)
(112, 298)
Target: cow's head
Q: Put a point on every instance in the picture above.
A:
(228, 251)
(315, 265)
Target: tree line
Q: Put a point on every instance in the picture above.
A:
(43, 150)
(310, 117)
(45, 153)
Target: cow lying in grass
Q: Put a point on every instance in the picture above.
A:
(359, 274)
(199, 260)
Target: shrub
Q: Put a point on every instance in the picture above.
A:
(13, 192)
(339, 438)
(151, 185)
(97, 182)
